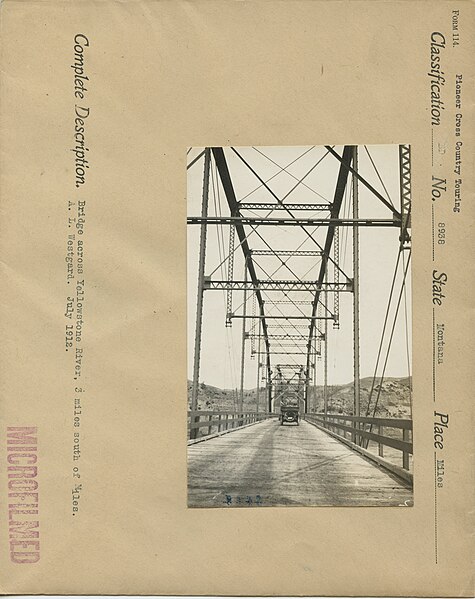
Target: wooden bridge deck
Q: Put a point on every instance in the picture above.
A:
(288, 466)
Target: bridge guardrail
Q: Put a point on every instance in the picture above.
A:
(221, 421)
(359, 431)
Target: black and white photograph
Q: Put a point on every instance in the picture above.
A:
(299, 326)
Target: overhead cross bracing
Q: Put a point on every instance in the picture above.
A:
(297, 222)
(288, 261)
(269, 206)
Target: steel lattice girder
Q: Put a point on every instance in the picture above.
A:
(283, 206)
(293, 253)
(288, 337)
(289, 302)
(295, 344)
(405, 190)
(288, 326)
(295, 222)
(278, 285)
(287, 353)
(282, 317)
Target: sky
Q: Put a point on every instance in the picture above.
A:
(220, 363)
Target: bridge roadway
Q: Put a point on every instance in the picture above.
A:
(287, 465)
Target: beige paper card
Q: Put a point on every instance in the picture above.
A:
(236, 310)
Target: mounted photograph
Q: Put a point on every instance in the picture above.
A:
(299, 326)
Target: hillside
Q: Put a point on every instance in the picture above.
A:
(394, 400)
(214, 398)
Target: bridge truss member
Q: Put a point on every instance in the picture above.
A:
(294, 228)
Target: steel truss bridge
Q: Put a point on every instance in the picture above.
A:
(288, 299)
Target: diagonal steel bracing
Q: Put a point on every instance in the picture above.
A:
(340, 187)
(346, 165)
(226, 181)
(277, 329)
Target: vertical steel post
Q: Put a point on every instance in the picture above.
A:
(325, 364)
(303, 384)
(258, 366)
(305, 394)
(199, 301)
(405, 191)
(243, 343)
(315, 385)
(336, 276)
(229, 292)
(405, 455)
(307, 383)
(270, 393)
(356, 299)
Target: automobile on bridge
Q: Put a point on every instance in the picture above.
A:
(289, 413)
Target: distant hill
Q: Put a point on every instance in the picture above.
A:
(214, 398)
(394, 399)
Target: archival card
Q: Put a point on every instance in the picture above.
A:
(236, 315)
